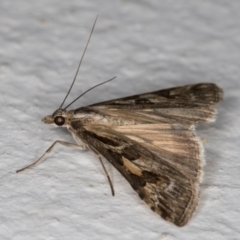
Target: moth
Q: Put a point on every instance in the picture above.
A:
(150, 139)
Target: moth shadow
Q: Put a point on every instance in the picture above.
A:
(215, 133)
(227, 112)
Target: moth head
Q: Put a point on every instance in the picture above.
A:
(58, 118)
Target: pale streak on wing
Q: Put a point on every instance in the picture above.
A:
(175, 144)
(163, 115)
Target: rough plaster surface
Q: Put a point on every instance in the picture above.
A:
(149, 45)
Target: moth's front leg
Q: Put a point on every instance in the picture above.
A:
(67, 144)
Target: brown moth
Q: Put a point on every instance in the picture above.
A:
(150, 139)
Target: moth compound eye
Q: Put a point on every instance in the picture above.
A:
(59, 120)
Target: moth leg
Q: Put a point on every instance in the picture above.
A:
(108, 177)
(105, 170)
(67, 144)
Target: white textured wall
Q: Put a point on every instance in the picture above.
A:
(149, 45)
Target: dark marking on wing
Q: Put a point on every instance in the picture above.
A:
(189, 95)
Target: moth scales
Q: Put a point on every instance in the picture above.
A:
(149, 138)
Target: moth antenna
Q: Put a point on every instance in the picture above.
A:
(88, 91)
(79, 65)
